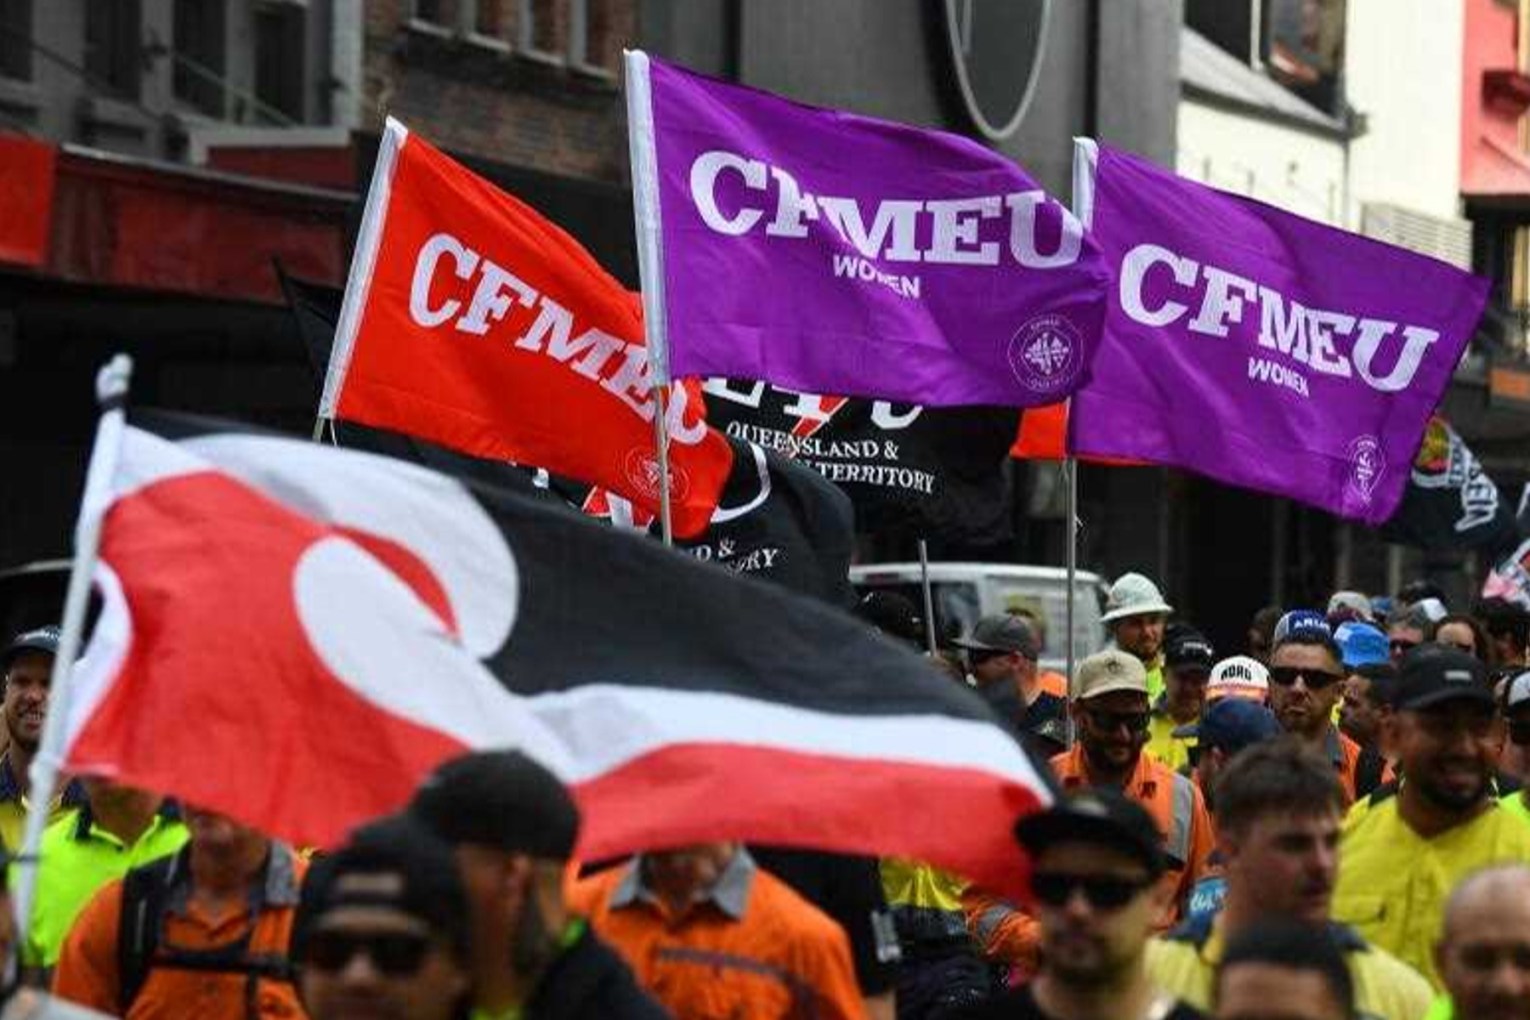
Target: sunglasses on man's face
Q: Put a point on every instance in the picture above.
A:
(1401, 645)
(1109, 722)
(977, 658)
(1316, 679)
(1104, 892)
(394, 953)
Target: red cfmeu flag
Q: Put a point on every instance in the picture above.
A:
(295, 634)
(471, 321)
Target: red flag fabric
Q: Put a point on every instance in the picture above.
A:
(1043, 435)
(27, 175)
(471, 321)
(295, 635)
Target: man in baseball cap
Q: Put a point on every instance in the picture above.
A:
(1111, 718)
(1516, 702)
(1187, 660)
(27, 667)
(1136, 616)
(1349, 605)
(1097, 882)
(1409, 850)
(513, 827)
(1228, 726)
(1001, 654)
(382, 929)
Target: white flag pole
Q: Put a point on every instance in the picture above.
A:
(645, 216)
(111, 394)
(358, 282)
(1085, 160)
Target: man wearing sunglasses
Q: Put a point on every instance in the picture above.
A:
(1097, 864)
(1001, 654)
(1306, 678)
(1407, 628)
(1401, 857)
(1110, 716)
(1279, 810)
(383, 929)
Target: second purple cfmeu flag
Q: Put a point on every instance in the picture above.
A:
(1259, 348)
(827, 252)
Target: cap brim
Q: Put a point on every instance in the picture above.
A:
(1194, 666)
(975, 646)
(1153, 609)
(1045, 829)
(16, 651)
(1469, 693)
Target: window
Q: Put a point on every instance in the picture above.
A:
(198, 79)
(113, 46)
(594, 42)
(279, 62)
(489, 19)
(16, 39)
(539, 29)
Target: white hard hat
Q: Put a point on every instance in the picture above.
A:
(1134, 595)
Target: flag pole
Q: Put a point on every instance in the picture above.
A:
(1085, 155)
(645, 218)
(929, 599)
(111, 395)
(1070, 501)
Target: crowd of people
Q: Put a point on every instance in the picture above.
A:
(1329, 824)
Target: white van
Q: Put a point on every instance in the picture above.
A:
(962, 592)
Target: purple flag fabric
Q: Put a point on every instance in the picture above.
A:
(1259, 348)
(832, 253)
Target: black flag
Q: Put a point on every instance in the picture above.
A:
(910, 471)
(1450, 502)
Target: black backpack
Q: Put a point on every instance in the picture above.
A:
(145, 894)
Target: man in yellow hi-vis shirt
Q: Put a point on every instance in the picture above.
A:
(1404, 855)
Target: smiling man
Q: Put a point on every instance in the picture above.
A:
(27, 666)
(1404, 855)
(1279, 807)
(1110, 715)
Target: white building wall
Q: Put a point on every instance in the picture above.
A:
(1403, 73)
(1300, 171)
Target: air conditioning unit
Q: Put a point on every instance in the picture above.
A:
(1449, 240)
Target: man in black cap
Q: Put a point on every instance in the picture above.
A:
(1001, 655)
(27, 665)
(1096, 861)
(1227, 727)
(1402, 856)
(1187, 661)
(513, 827)
(383, 929)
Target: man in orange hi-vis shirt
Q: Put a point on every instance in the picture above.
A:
(1110, 715)
(710, 934)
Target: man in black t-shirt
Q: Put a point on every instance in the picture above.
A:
(1001, 655)
(1096, 859)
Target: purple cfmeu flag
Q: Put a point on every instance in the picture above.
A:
(1259, 348)
(826, 252)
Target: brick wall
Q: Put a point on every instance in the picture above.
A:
(491, 97)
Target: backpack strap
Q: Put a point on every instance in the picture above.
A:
(145, 893)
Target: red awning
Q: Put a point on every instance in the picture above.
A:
(26, 199)
(94, 217)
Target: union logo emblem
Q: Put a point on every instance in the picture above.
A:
(1044, 354)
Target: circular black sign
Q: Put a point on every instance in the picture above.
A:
(997, 47)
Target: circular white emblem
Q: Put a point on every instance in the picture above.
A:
(1044, 354)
